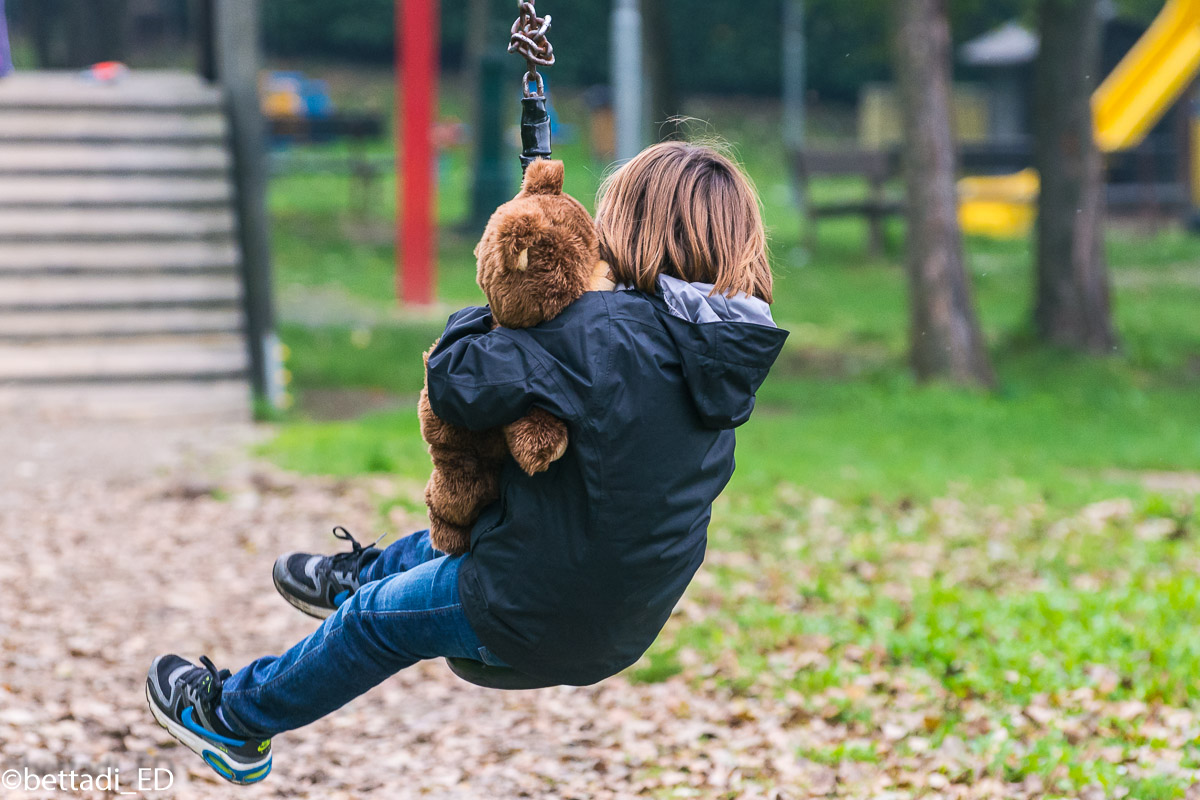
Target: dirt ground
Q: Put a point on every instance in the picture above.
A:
(121, 542)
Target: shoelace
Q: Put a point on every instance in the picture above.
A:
(349, 561)
(206, 684)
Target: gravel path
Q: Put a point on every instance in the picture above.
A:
(114, 542)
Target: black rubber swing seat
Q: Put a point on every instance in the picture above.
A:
(481, 674)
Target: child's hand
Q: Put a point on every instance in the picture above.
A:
(602, 279)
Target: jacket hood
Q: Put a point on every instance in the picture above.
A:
(727, 345)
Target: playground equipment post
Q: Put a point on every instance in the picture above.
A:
(416, 95)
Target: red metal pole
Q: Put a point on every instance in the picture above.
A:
(416, 97)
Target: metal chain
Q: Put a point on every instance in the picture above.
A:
(530, 42)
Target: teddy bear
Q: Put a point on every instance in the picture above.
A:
(538, 254)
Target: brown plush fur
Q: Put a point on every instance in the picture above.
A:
(538, 254)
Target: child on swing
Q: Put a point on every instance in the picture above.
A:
(573, 572)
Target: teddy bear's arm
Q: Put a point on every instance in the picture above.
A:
(536, 440)
(466, 469)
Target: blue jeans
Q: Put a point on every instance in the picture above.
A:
(407, 609)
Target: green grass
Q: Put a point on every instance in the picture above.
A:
(887, 551)
(1025, 632)
(376, 443)
(1004, 628)
(330, 233)
(340, 356)
(840, 414)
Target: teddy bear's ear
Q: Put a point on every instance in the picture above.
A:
(515, 234)
(543, 177)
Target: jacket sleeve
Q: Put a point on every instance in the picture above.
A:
(480, 378)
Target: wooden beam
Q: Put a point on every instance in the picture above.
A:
(202, 18)
(236, 32)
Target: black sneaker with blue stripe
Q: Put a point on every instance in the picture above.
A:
(317, 584)
(184, 699)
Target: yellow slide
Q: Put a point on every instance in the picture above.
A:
(1130, 101)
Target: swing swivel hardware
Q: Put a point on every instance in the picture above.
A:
(530, 42)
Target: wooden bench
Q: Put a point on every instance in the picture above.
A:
(876, 167)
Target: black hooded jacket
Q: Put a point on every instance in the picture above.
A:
(573, 572)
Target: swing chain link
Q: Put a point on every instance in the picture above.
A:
(529, 41)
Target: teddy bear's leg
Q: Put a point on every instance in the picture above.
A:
(451, 539)
(465, 477)
(435, 430)
(458, 489)
(536, 440)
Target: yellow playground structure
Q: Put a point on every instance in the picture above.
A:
(1130, 101)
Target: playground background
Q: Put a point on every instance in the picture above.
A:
(947, 591)
(1026, 552)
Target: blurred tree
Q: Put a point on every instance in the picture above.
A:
(1072, 305)
(42, 19)
(97, 31)
(482, 23)
(493, 75)
(358, 30)
(68, 34)
(662, 98)
(945, 340)
(1139, 10)
(705, 46)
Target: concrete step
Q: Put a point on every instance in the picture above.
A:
(202, 358)
(82, 159)
(65, 225)
(37, 259)
(57, 191)
(33, 326)
(207, 401)
(145, 90)
(73, 125)
(69, 292)
(120, 293)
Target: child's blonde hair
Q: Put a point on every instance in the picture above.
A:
(688, 211)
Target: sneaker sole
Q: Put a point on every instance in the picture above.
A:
(320, 612)
(241, 774)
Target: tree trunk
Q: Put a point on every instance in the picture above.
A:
(1072, 307)
(661, 98)
(945, 337)
(97, 32)
(72, 35)
(494, 76)
(44, 21)
(479, 27)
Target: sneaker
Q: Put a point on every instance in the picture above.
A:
(184, 699)
(316, 584)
